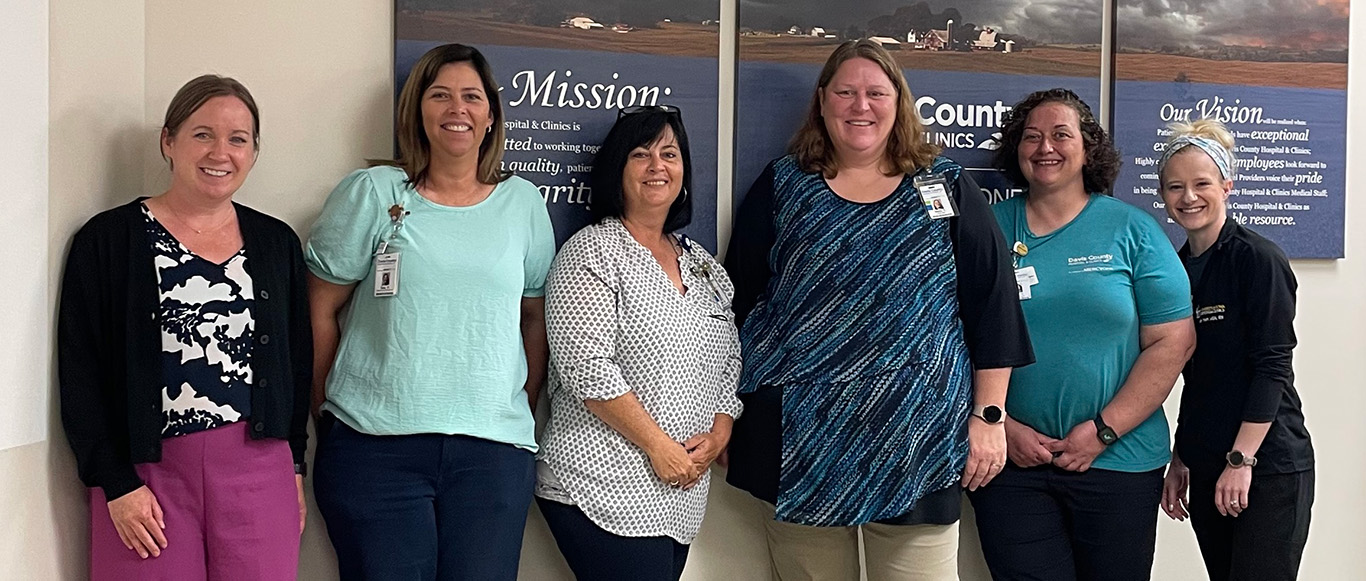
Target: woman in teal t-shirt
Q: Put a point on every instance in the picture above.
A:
(425, 466)
(1108, 308)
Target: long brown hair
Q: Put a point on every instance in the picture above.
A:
(414, 148)
(907, 149)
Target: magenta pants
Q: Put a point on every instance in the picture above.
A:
(231, 510)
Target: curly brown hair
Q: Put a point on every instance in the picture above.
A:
(1102, 159)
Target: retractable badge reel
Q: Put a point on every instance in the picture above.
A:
(934, 193)
(1025, 277)
(386, 260)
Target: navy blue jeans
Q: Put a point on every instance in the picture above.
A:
(1047, 524)
(597, 555)
(422, 507)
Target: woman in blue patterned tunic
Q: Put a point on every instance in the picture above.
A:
(880, 326)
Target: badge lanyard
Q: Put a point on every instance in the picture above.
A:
(386, 261)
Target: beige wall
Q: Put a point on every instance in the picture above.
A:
(321, 72)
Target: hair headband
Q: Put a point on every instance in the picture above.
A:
(1222, 158)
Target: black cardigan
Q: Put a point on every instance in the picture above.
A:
(108, 344)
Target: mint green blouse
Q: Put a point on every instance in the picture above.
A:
(444, 355)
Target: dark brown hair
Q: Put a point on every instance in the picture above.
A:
(198, 91)
(414, 148)
(1101, 167)
(907, 149)
(641, 128)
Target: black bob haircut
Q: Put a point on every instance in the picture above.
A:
(1102, 163)
(632, 130)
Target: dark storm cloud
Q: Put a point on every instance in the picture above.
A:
(1296, 24)
(1148, 23)
(1059, 21)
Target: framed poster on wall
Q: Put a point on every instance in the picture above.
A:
(1275, 73)
(565, 67)
(966, 61)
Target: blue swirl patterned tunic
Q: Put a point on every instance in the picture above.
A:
(859, 325)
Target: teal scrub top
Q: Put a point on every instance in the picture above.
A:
(1100, 277)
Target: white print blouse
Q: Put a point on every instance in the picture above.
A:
(617, 324)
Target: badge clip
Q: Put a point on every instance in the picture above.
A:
(934, 194)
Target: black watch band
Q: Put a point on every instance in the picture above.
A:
(1105, 433)
(301, 469)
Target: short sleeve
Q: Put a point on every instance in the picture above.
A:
(342, 241)
(540, 252)
(1161, 287)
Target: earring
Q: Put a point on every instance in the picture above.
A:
(490, 129)
(683, 197)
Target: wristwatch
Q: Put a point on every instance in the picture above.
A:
(1237, 459)
(991, 414)
(1105, 433)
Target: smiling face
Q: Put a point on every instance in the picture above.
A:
(653, 176)
(1195, 193)
(213, 150)
(455, 112)
(1052, 151)
(859, 109)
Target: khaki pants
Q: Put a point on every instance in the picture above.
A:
(891, 552)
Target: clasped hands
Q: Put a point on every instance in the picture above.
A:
(682, 465)
(1074, 452)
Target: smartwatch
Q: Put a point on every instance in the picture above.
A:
(1105, 433)
(991, 414)
(1237, 459)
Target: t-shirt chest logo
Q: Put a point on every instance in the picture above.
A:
(1090, 263)
(1210, 313)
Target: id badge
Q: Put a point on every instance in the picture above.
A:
(934, 193)
(1025, 279)
(386, 274)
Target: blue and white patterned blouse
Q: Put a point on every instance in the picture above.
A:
(205, 316)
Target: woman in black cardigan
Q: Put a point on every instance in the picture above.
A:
(184, 356)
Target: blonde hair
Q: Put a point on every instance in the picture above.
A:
(1210, 129)
(1207, 135)
(907, 149)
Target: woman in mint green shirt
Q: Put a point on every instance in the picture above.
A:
(425, 466)
(1107, 303)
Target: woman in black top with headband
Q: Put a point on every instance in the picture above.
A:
(1242, 452)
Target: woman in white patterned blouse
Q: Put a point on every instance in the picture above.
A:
(644, 359)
